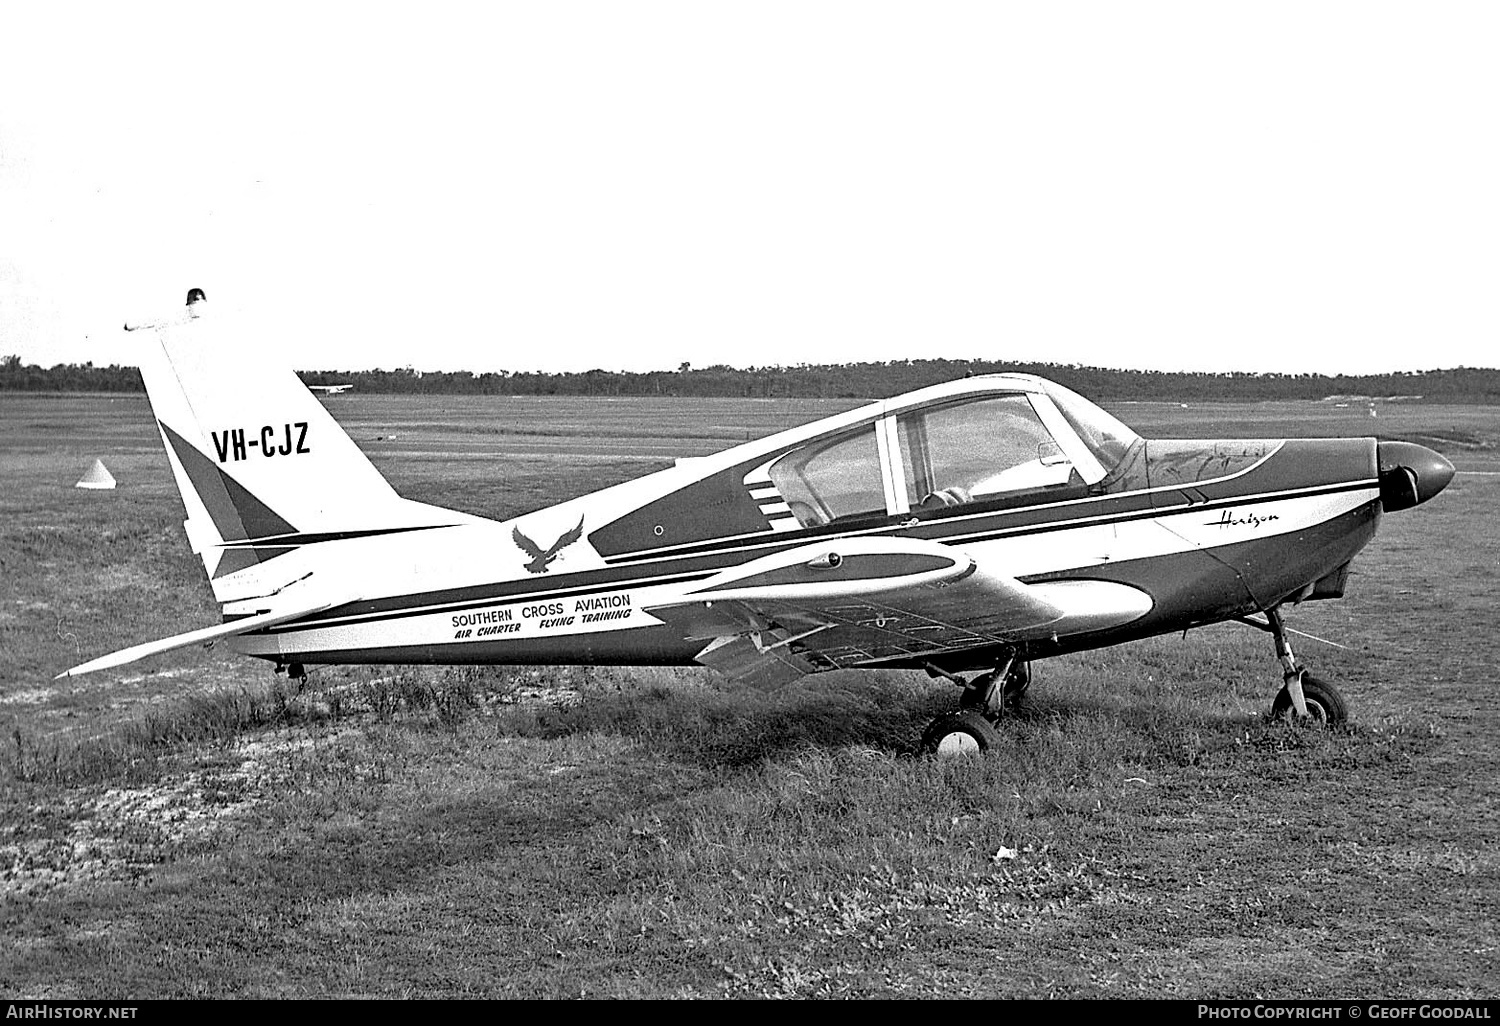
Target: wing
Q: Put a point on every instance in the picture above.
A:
(867, 601)
(528, 546)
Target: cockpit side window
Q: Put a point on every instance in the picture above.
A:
(828, 481)
(979, 449)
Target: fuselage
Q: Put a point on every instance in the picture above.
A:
(1208, 530)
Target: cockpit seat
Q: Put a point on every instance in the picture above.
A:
(954, 496)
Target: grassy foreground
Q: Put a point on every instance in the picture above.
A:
(200, 828)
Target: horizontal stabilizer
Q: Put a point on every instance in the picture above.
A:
(206, 634)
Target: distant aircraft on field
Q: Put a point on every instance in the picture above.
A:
(967, 528)
(330, 389)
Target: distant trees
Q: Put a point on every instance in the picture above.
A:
(68, 377)
(877, 380)
(841, 381)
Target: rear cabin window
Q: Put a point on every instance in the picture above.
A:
(976, 450)
(830, 481)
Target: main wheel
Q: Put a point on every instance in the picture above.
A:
(1325, 705)
(960, 733)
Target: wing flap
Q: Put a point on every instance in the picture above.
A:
(748, 659)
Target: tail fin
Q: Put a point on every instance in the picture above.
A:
(262, 467)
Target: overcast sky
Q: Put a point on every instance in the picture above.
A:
(628, 185)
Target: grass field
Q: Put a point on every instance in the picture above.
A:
(193, 826)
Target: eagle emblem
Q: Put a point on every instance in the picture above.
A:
(540, 557)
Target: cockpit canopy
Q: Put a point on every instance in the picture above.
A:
(991, 442)
(998, 440)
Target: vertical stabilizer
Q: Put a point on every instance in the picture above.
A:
(262, 466)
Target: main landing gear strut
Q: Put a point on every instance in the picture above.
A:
(1302, 695)
(985, 700)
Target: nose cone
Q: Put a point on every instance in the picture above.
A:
(1410, 474)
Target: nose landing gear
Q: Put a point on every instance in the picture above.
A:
(1324, 703)
(984, 702)
(1302, 696)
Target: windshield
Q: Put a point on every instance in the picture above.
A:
(1105, 436)
(977, 449)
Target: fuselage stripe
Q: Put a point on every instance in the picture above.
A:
(518, 591)
(747, 542)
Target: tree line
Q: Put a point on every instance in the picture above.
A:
(828, 381)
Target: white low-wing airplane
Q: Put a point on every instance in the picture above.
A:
(970, 526)
(330, 389)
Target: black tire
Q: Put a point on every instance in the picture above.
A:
(960, 733)
(1325, 705)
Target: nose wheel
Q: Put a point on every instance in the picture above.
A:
(984, 702)
(1302, 697)
(1325, 705)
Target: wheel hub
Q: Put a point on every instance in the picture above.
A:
(957, 743)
